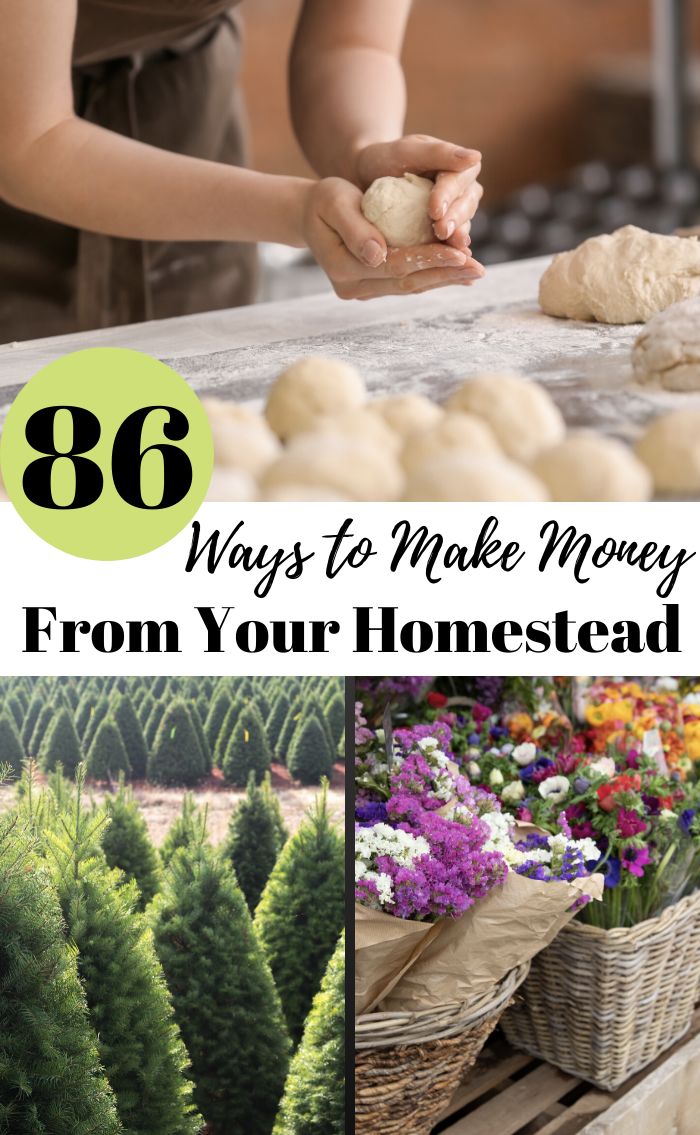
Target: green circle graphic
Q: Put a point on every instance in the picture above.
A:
(151, 458)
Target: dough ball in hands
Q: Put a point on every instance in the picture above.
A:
(668, 349)
(309, 389)
(623, 277)
(353, 468)
(587, 467)
(463, 433)
(670, 448)
(398, 207)
(232, 485)
(457, 477)
(242, 439)
(407, 414)
(521, 413)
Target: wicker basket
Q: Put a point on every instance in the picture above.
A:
(602, 1004)
(407, 1065)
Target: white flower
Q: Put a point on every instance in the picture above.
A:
(427, 744)
(558, 843)
(513, 792)
(524, 754)
(496, 778)
(538, 855)
(667, 814)
(692, 699)
(669, 684)
(444, 785)
(507, 748)
(604, 766)
(385, 840)
(555, 789)
(380, 735)
(473, 769)
(589, 849)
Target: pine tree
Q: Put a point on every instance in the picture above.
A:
(312, 708)
(32, 715)
(145, 710)
(228, 725)
(252, 844)
(150, 729)
(289, 729)
(201, 739)
(247, 750)
(216, 717)
(122, 711)
(176, 758)
(334, 711)
(225, 1000)
(14, 706)
(61, 745)
(51, 1080)
(140, 1045)
(107, 757)
(98, 713)
(309, 758)
(127, 845)
(43, 723)
(301, 912)
(189, 827)
(314, 1095)
(84, 711)
(275, 722)
(11, 751)
(273, 805)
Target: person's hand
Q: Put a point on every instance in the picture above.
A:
(354, 254)
(457, 193)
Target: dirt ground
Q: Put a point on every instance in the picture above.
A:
(160, 806)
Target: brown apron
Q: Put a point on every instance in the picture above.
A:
(163, 72)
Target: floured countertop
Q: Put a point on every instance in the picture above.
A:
(423, 343)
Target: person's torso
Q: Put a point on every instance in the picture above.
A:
(109, 29)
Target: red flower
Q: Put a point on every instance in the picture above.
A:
(607, 793)
(436, 699)
(629, 823)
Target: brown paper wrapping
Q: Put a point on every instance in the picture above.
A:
(417, 965)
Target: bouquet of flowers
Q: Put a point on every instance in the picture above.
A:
(450, 893)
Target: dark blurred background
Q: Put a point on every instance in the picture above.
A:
(558, 95)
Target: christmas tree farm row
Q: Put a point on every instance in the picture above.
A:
(174, 731)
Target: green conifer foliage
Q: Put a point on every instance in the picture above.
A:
(51, 1080)
(189, 827)
(145, 710)
(32, 716)
(252, 843)
(124, 716)
(99, 711)
(225, 1000)
(216, 717)
(11, 751)
(247, 750)
(107, 757)
(275, 721)
(289, 729)
(314, 1095)
(227, 727)
(152, 726)
(61, 745)
(334, 711)
(176, 757)
(310, 758)
(139, 1042)
(127, 845)
(201, 739)
(40, 730)
(14, 706)
(301, 912)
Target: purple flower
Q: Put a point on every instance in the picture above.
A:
(635, 859)
(581, 785)
(685, 820)
(538, 770)
(629, 823)
(611, 870)
(371, 812)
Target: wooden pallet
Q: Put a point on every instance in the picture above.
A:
(511, 1093)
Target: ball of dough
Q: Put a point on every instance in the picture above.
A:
(623, 277)
(462, 432)
(398, 207)
(456, 477)
(363, 425)
(299, 494)
(587, 467)
(668, 349)
(309, 389)
(355, 469)
(241, 440)
(232, 485)
(670, 448)
(407, 414)
(521, 413)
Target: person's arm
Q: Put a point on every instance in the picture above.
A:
(348, 101)
(53, 163)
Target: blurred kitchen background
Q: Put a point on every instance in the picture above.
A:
(587, 113)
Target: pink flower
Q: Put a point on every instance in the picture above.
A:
(480, 712)
(524, 814)
(629, 823)
(635, 859)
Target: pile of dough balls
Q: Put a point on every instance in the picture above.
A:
(499, 438)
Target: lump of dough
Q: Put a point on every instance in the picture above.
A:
(309, 389)
(668, 349)
(348, 466)
(463, 432)
(398, 207)
(407, 414)
(521, 413)
(623, 277)
(670, 448)
(299, 494)
(242, 439)
(456, 477)
(232, 485)
(360, 424)
(587, 467)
